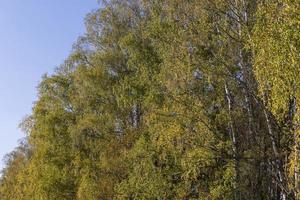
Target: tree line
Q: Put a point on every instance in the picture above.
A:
(168, 99)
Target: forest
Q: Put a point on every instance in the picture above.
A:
(168, 100)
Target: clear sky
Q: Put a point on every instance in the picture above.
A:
(35, 37)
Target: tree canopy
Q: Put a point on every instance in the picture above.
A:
(169, 99)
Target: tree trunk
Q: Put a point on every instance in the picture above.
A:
(234, 143)
(296, 173)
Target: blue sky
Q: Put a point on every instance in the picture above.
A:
(35, 37)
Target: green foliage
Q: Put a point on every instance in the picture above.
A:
(168, 100)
